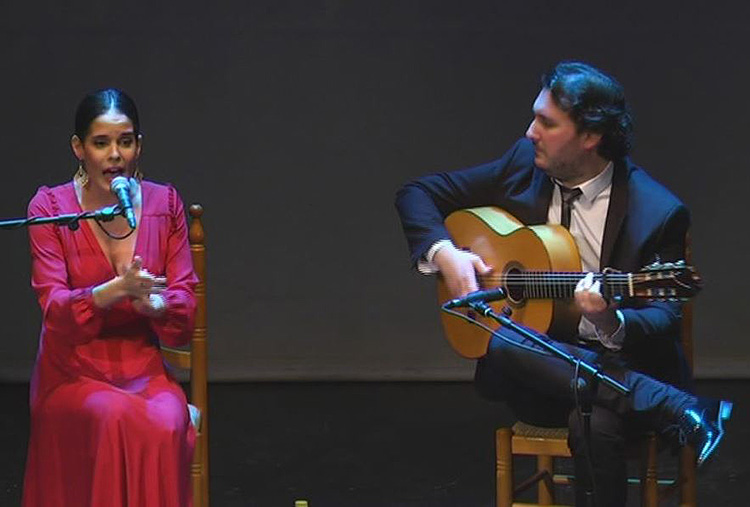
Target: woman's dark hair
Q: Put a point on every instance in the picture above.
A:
(595, 102)
(100, 102)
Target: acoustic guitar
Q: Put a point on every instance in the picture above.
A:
(539, 267)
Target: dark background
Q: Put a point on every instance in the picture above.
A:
(294, 122)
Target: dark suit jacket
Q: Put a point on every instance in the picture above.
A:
(645, 220)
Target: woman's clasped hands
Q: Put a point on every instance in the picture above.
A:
(144, 289)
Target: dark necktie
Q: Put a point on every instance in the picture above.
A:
(568, 196)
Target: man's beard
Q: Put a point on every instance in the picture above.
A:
(564, 170)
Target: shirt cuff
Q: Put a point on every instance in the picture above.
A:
(426, 266)
(615, 340)
(157, 302)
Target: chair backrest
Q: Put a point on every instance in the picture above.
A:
(195, 359)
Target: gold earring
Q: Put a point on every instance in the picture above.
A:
(138, 174)
(81, 176)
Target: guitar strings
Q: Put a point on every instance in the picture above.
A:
(531, 277)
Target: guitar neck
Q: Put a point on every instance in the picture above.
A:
(561, 285)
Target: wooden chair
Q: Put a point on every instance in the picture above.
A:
(195, 360)
(549, 443)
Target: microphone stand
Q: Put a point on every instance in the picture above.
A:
(106, 214)
(582, 386)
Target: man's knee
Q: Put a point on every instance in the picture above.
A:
(489, 377)
(488, 381)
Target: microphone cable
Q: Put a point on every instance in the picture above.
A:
(109, 234)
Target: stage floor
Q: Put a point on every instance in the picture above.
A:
(368, 445)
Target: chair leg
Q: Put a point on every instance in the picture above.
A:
(649, 479)
(545, 487)
(688, 495)
(504, 467)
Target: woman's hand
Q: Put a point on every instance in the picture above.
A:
(138, 283)
(151, 306)
(135, 283)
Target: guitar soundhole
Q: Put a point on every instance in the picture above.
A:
(514, 285)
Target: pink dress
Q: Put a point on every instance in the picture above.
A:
(109, 425)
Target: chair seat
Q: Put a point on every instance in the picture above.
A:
(534, 440)
(530, 431)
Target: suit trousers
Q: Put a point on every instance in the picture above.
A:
(538, 388)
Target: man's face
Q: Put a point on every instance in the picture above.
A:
(559, 148)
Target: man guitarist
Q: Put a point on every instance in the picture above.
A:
(572, 169)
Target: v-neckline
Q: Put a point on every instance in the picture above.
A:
(92, 236)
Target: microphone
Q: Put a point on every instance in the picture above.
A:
(477, 296)
(120, 186)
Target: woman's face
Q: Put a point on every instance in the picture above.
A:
(111, 148)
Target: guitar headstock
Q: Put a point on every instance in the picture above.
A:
(667, 281)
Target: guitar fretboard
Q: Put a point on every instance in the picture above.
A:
(559, 285)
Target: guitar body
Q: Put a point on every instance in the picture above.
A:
(508, 246)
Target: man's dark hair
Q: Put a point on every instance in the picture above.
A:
(595, 102)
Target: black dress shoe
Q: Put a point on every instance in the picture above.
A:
(703, 426)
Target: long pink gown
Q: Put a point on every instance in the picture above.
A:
(109, 425)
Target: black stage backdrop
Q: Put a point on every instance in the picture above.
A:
(294, 122)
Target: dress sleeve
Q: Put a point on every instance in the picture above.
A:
(175, 325)
(67, 313)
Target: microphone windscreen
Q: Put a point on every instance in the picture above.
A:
(119, 182)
